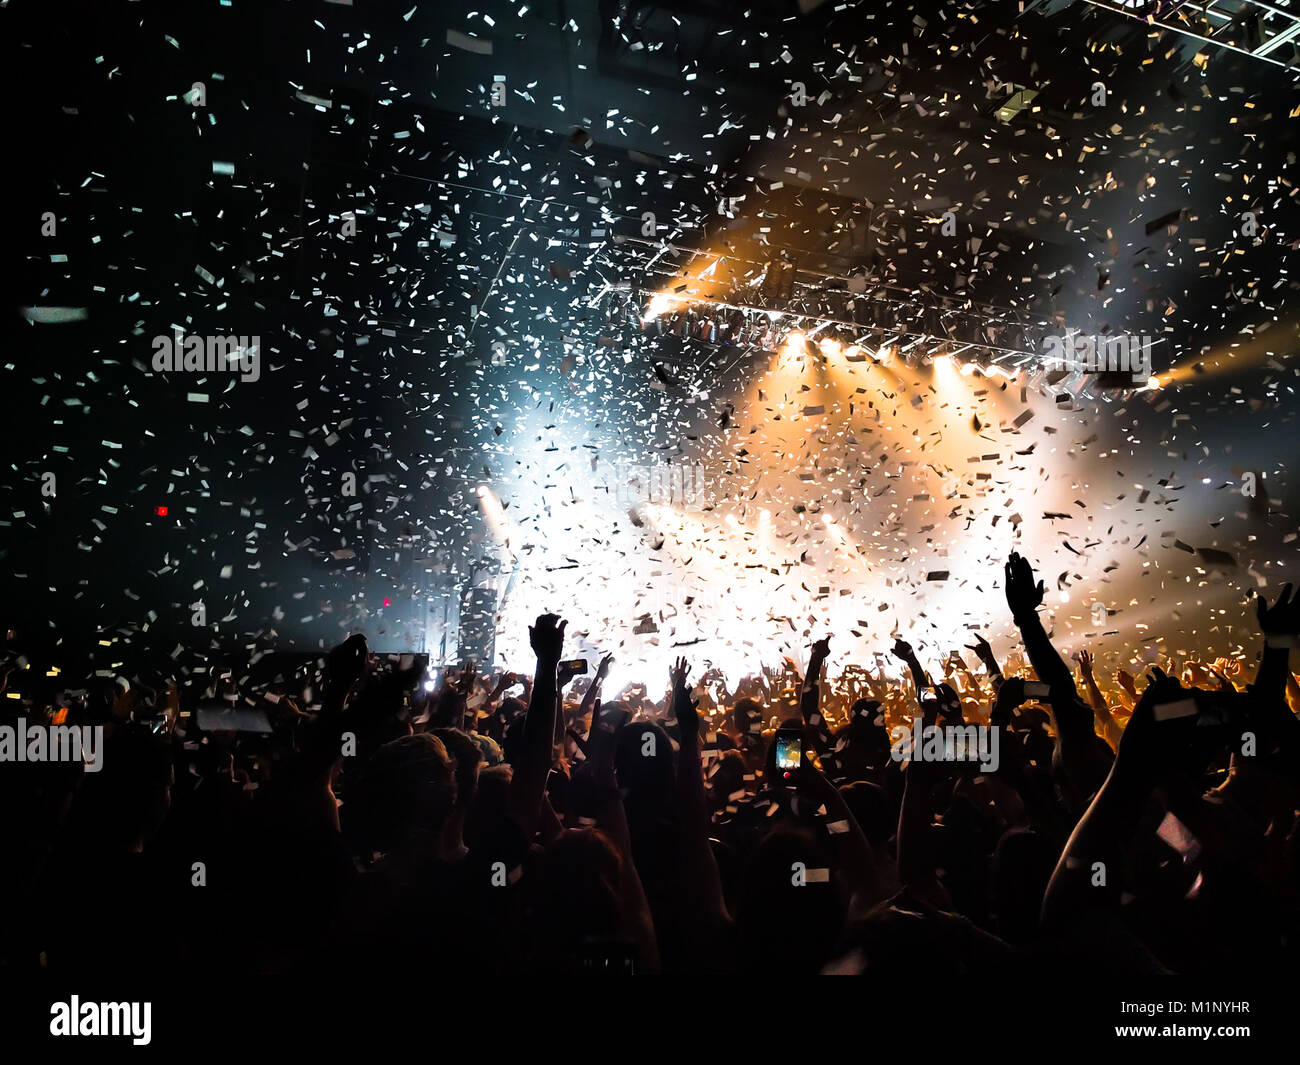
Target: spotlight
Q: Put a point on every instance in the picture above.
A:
(659, 304)
(793, 347)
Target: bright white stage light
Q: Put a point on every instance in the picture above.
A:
(659, 304)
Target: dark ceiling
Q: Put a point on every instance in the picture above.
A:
(479, 224)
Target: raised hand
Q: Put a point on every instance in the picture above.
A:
(547, 638)
(1024, 597)
(602, 671)
(1225, 685)
(981, 648)
(1280, 619)
(1125, 680)
(565, 675)
(903, 650)
(677, 674)
(685, 709)
(1085, 664)
(820, 651)
(599, 746)
(467, 677)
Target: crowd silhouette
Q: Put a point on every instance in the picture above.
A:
(767, 825)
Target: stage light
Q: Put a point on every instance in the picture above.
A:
(160, 511)
(791, 350)
(388, 601)
(829, 347)
(992, 370)
(494, 514)
(660, 303)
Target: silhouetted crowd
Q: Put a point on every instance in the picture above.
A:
(494, 824)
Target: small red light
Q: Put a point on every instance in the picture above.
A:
(387, 601)
(160, 511)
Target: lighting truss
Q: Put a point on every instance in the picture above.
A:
(1261, 31)
(888, 313)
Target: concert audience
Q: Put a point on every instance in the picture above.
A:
(499, 825)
